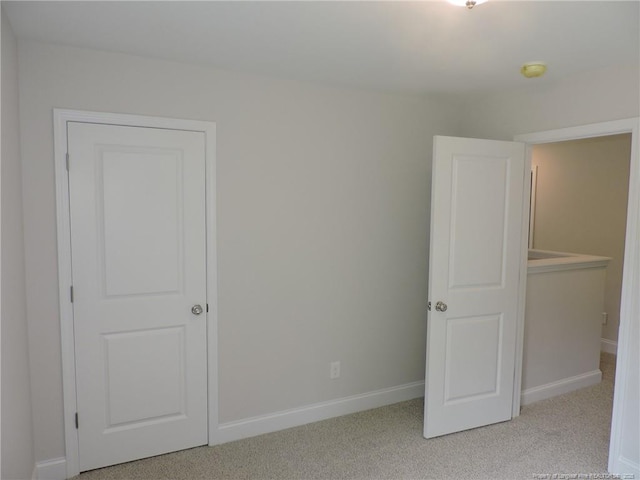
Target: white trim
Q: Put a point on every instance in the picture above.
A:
(559, 387)
(60, 119)
(532, 207)
(629, 304)
(628, 467)
(522, 285)
(64, 282)
(608, 346)
(582, 131)
(54, 469)
(272, 422)
(626, 369)
(212, 280)
(574, 262)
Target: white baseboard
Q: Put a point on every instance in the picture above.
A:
(608, 346)
(559, 387)
(628, 468)
(54, 469)
(273, 422)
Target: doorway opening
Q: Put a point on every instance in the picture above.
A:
(625, 378)
(579, 205)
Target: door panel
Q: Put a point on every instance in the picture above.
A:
(141, 214)
(474, 265)
(137, 205)
(161, 395)
(477, 215)
(477, 374)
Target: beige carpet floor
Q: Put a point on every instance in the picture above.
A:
(566, 434)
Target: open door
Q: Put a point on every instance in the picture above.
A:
(478, 190)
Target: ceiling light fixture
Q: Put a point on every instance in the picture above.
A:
(467, 3)
(533, 69)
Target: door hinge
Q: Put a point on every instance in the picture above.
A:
(67, 161)
(71, 293)
(77, 423)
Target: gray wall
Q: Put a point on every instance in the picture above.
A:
(323, 206)
(581, 206)
(323, 198)
(17, 437)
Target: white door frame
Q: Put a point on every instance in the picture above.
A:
(629, 309)
(60, 119)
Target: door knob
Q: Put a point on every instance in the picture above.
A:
(196, 309)
(441, 306)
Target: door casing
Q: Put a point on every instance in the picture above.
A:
(629, 309)
(60, 119)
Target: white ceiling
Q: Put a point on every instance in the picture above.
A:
(425, 46)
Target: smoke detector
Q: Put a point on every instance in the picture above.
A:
(467, 3)
(533, 69)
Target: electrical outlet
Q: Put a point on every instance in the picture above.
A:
(334, 370)
(605, 318)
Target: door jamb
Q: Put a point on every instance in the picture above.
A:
(629, 309)
(60, 119)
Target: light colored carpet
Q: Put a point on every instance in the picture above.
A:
(566, 434)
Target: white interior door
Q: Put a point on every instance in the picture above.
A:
(475, 261)
(137, 209)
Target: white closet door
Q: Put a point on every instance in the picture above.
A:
(137, 206)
